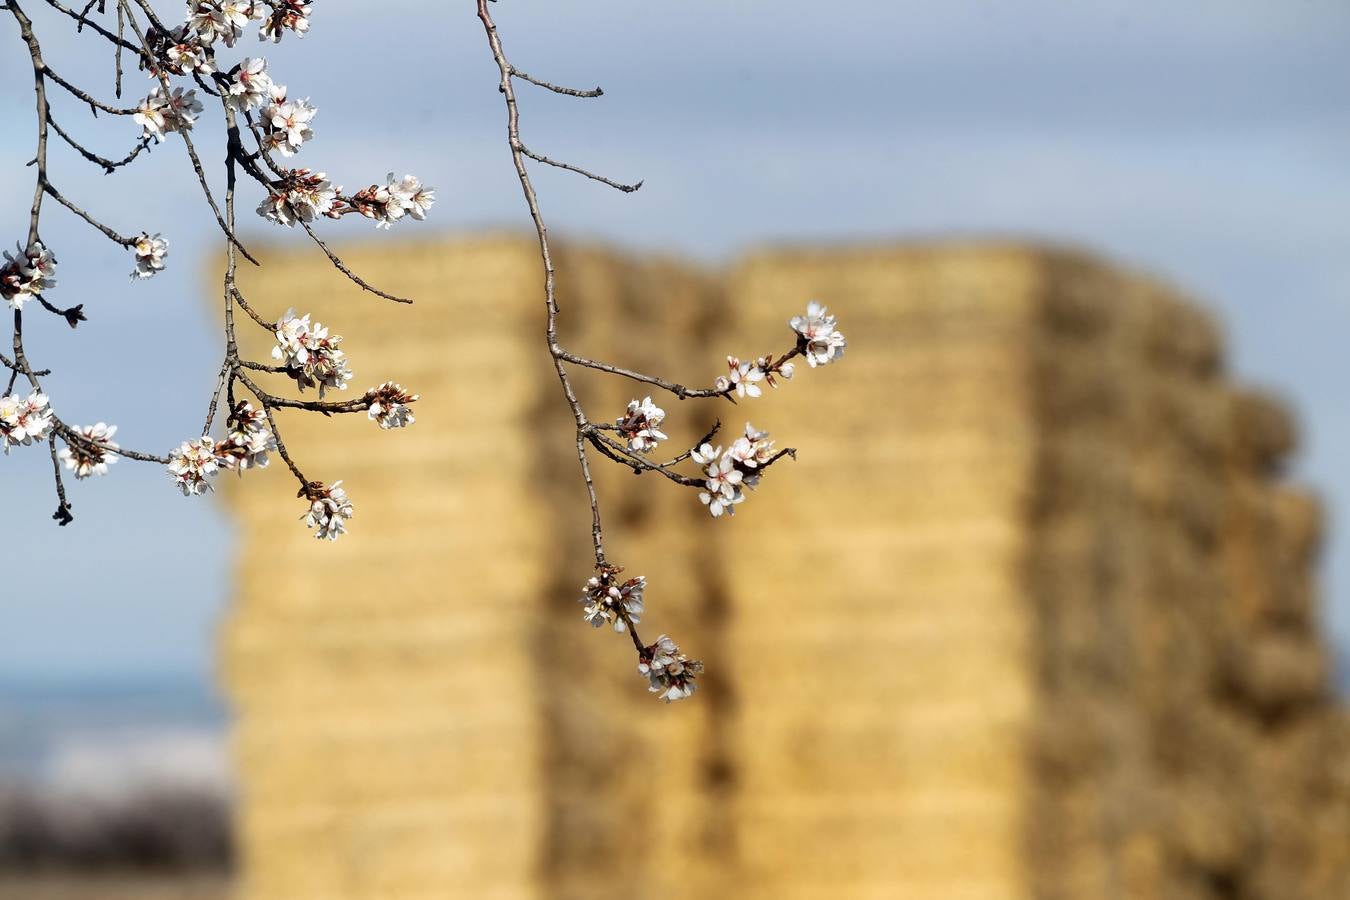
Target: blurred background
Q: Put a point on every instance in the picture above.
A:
(1201, 143)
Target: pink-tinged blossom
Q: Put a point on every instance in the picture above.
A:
(669, 672)
(248, 440)
(93, 454)
(389, 405)
(26, 274)
(191, 464)
(286, 123)
(160, 114)
(639, 425)
(286, 15)
(250, 86)
(388, 203)
(223, 20)
(744, 378)
(186, 53)
(300, 196)
(608, 600)
(329, 510)
(817, 337)
(23, 419)
(310, 354)
(150, 252)
(721, 478)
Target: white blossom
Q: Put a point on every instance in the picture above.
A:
(722, 480)
(26, 274)
(250, 86)
(608, 601)
(818, 338)
(765, 364)
(300, 196)
(286, 122)
(329, 510)
(223, 20)
(160, 114)
(248, 441)
(186, 53)
(92, 455)
(150, 253)
(669, 672)
(192, 464)
(290, 15)
(639, 425)
(388, 203)
(310, 353)
(751, 451)
(389, 405)
(744, 378)
(23, 419)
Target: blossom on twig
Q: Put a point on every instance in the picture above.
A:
(191, 464)
(310, 354)
(389, 405)
(27, 274)
(329, 510)
(23, 419)
(90, 450)
(817, 337)
(150, 252)
(639, 425)
(609, 601)
(669, 672)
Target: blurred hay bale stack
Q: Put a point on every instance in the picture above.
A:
(1032, 615)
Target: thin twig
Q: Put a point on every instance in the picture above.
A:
(557, 89)
(618, 186)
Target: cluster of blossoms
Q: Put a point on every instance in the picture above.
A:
(388, 203)
(160, 113)
(246, 445)
(23, 419)
(250, 86)
(329, 510)
(286, 122)
(248, 439)
(818, 339)
(726, 474)
(191, 464)
(639, 426)
(286, 15)
(310, 354)
(668, 671)
(609, 601)
(91, 453)
(388, 405)
(150, 252)
(300, 196)
(26, 274)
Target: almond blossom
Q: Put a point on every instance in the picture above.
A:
(310, 354)
(639, 425)
(192, 464)
(93, 454)
(818, 339)
(723, 480)
(160, 114)
(23, 419)
(248, 441)
(301, 196)
(669, 672)
(744, 378)
(388, 203)
(286, 122)
(27, 274)
(609, 601)
(150, 253)
(292, 15)
(389, 405)
(250, 86)
(185, 53)
(329, 510)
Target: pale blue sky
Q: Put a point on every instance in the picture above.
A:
(1207, 142)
